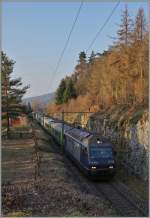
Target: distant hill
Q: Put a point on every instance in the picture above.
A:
(43, 100)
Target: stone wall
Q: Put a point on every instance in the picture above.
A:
(130, 139)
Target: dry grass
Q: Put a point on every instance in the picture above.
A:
(17, 160)
(59, 191)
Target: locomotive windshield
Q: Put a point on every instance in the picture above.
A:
(100, 152)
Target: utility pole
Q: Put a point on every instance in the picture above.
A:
(43, 119)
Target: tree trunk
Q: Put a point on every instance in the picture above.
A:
(8, 124)
(7, 105)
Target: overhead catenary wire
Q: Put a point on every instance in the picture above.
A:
(68, 38)
(94, 39)
(102, 27)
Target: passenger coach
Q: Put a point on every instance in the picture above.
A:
(93, 154)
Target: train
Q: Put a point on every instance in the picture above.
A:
(93, 154)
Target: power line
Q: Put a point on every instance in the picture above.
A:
(102, 27)
(68, 38)
(72, 28)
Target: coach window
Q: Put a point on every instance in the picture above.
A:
(84, 149)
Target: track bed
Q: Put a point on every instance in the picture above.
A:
(62, 190)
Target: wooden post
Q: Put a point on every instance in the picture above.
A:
(62, 132)
(43, 119)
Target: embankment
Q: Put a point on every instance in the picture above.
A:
(127, 127)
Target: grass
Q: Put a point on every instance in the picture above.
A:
(75, 213)
(16, 159)
(21, 128)
(20, 214)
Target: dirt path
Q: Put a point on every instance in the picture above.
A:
(17, 160)
(60, 190)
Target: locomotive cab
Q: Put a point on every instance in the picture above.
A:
(101, 157)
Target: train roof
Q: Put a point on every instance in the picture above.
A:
(79, 134)
(58, 126)
(72, 131)
(48, 120)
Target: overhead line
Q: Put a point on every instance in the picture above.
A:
(102, 27)
(68, 38)
(94, 39)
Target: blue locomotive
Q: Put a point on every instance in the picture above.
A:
(93, 154)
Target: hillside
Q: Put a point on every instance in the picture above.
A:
(117, 76)
(43, 100)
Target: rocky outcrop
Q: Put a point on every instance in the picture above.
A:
(128, 129)
(129, 134)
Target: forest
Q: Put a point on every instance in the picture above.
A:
(118, 76)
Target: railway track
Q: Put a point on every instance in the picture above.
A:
(137, 202)
(125, 205)
(119, 196)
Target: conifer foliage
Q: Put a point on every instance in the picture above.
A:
(65, 91)
(12, 92)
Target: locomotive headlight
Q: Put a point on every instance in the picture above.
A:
(93, 167)
(98, 141)
(111, 167)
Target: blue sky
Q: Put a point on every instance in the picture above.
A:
(34, 34)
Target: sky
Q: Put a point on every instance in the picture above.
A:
(34, 34)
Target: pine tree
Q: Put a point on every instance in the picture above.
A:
(81, 67)
(81, 74)
(70, 91)
(82, 57)
(60, 92)
(140, 26)
(125, 31)
(92, 57)
(12, 92)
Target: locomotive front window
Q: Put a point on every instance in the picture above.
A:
(97, 152)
